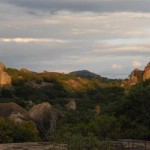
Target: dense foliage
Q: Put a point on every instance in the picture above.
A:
(124, 113)
(10, 132)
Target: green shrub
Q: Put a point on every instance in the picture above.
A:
(10, 132)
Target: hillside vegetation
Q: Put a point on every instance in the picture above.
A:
(104, 110)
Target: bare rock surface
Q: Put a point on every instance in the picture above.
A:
(33, 146)
(5, 79)
(137, 76)
(146, 74)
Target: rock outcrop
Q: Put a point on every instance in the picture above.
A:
(71, 105)
(137, 76)
(14, 112)
(5, 79)
(146, 74)
(45, 116)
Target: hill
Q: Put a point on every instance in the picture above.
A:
(90, 75)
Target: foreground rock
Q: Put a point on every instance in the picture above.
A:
(45, 116)
(5, 79)
(14, 112)
(33, 146)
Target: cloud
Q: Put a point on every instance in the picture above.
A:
(136, 64)
(119, 48)
(116, 67)
(34, 40)
(73, 35)
(83, 5)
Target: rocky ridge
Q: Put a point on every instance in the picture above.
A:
(137, 76)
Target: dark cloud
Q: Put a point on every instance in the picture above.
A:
(84, 5)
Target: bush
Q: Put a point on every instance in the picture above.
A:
(79, 142)
(10, 132)
(105, 127)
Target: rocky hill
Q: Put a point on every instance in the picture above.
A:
(137, 76)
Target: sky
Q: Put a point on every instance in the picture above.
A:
(107, 37)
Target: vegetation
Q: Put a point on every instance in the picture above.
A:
(10, 132)
(125, 113)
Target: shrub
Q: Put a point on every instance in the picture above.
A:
(10, 132)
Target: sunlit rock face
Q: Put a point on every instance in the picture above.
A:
(135, 77)
(5, 79)
(2, 67)
(146, 74)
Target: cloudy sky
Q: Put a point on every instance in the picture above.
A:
(108, 37)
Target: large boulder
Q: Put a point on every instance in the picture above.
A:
(45, 116)
(14, 112)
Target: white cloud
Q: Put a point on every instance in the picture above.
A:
(93, 40)
(116, 67)
(35, 40)
(136, 64)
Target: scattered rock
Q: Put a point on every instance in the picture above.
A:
(71, 105)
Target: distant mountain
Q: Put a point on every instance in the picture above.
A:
(85, 74)
(89, 75)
